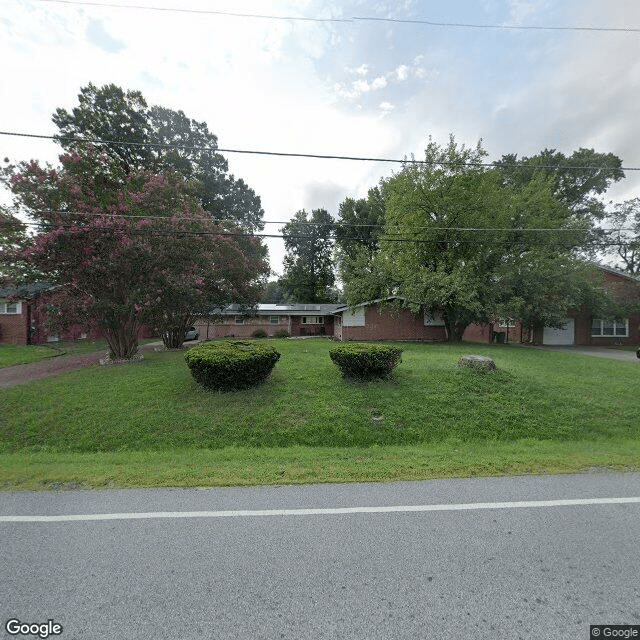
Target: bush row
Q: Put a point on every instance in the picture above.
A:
(240, 364)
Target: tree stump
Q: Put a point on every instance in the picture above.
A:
(479, 363)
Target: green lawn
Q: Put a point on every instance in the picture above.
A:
(540, 411)
(11, 354)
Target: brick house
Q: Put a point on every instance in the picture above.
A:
(296, 319)
(368, 322)
(19, 321)
(583, 328)
(22, 323)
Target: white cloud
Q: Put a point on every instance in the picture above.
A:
(402, 72)
(303, 87)
(523, 11)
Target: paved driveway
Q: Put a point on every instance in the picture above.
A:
(597, 352)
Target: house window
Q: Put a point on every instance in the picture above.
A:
(433, 319)
(506, 322)
(53, 338)
(354, 318)
(609, 328)
(239, 319)
(10, 308)
(312, 319)
(274, 319)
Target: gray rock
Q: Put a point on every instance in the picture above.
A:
(480, 363)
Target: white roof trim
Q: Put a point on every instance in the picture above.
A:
(370, 302)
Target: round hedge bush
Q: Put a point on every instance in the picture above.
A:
(231, 364)
(365, 361)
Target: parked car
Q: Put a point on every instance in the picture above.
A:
(192, 334)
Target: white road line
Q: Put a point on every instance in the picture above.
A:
(320, 512)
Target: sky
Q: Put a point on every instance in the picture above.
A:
(375, 87)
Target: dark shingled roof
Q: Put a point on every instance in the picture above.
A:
(25, 291)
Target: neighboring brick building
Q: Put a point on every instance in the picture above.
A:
(295, 319)
(367, 322)
(583, 328)
(21, 322)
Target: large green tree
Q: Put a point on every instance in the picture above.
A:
(127, 248)
(274, 293)
(461, 240)
(136, 136)
(624, 235)
(357, 232)
(576, 180)
(308, 265)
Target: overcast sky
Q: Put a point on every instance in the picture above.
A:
(353, 87)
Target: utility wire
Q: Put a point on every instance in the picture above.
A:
(384, 238)
(352, 19)
(231, 14)
(304, 155)
(335, 223)
(496, 26)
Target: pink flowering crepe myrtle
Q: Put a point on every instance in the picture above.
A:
(166, 261)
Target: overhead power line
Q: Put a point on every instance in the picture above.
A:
(336, 223)
(317, 156)
(44, 226)
(351, 19)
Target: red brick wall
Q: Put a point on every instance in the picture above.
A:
(583, 333)
(477, 333)
(76, 331)
(229, 329)
(13, 327)
(484, 333)
(393, 325)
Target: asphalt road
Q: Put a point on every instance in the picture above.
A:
(528, 571)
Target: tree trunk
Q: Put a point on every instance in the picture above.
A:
(122, 341)
(458, 331)
(455, 330)
(173, 336)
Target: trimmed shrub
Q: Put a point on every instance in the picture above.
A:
(232, 364)
(281, 333)
(365, 361)
(259, 333)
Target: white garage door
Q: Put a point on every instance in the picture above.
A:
(559, 336)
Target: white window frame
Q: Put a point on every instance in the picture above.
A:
(271, 319)
(617, 323)
(433, 319)
(239, 320)
(507, 323)
(312, 320)
(4, 307)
